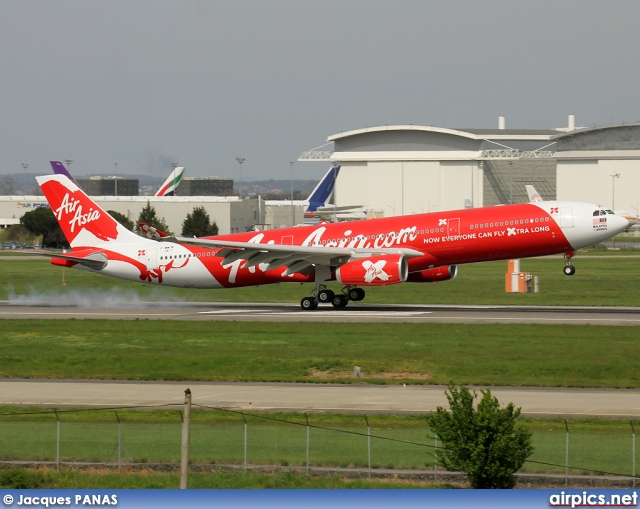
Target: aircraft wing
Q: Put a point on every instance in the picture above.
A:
(90, 258)
(295, 258)
(342, 208)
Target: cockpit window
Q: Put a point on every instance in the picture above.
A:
(611, 212)
(596, 212)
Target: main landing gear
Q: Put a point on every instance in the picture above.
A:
(569, 270)
(338, 300)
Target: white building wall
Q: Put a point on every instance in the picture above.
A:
(592, 181)
(409, 187)
(279, 216)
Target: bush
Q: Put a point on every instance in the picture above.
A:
(17, 478)
(485, 443)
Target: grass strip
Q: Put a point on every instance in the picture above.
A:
(599, 281)
(101, 479)
(487, 354)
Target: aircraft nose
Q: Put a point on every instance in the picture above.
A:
(620, 223)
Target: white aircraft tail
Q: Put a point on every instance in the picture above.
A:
(534, 197)
(83, 222)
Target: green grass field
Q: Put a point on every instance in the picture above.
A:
(488, 354)
(600, 280)
(102, 479)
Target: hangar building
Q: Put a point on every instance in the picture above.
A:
(407, 169)
(601, 165)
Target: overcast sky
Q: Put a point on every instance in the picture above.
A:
(145, 83)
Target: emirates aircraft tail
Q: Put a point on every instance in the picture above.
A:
(168, 188)
(83, 222)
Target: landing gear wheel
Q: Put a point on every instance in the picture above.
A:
(340, 301)
(356, 294)
(569, 270)
(325, 296)
(308, 303)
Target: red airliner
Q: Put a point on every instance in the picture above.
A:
(419, 248)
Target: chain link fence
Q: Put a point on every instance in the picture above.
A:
(223, 438)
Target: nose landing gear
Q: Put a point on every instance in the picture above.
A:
(569, 270)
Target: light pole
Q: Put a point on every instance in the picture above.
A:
(613, 189)
(240, 161)
(68, 161)
(510, 182)
(116, 179)
(25, 166)
(613, 198)
(293, 210)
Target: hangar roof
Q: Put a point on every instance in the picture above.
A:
(423, 143)
(474, 134)
(615, 140)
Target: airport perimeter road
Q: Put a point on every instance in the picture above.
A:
(535, 402)
(355, 312)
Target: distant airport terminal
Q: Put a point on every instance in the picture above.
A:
(406, 169)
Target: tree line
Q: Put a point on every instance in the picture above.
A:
(41, 222)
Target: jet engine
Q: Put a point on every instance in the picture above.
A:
(374, 271)
(443, 273)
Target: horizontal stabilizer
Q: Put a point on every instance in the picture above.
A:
(95, 260)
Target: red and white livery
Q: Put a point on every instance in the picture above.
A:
(417, 248)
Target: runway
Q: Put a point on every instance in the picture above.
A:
(394, 399)
(355, 312)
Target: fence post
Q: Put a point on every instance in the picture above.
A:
(633, 452)
(119, 442)
(368, 444)
(308, 441)
(184, 463)
(566, 456)
(57, 440)
(435, 459)
(181, 431)
(245, 441)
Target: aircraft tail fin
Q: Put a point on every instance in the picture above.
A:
(59, 169)
(534, 197)
(83, 222)
(169, 186)
(321, 194)
(151, 231)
